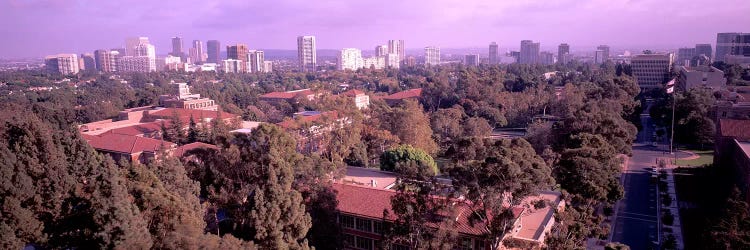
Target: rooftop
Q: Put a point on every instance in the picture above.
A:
(369, 177)
(288, 94)
(181, 150)
(738, 129)
(412, 93)
(128, 144)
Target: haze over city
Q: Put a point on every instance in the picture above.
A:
(40, 27)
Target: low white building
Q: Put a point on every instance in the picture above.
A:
(701, 76)
(350, 58)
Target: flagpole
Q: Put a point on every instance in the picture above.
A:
(671, 90)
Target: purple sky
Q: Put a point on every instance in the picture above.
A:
(40, 27)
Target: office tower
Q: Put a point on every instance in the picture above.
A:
(563, 53)
(238, 52)
(493, 53)
(684, 56)
(255, 61)
(64, 64)
(471, 60)
(106, 60)
(397, 47)
(431, 55)
(546, 58)
(736, 44)
(605, 52)
(196, 53)
(89, 64)
(381, 50)
(703, 49)
(120, 51)
(529, 52)
(392, 61)
(213, 49)
(171, 63)
(651, 70)
(350, 58)
(306, 53)
(267, 66)
(176, 46)
(375, 62)
(132, 42)
(148, 51)
(516, 55)
(599, 56)
(135, 64)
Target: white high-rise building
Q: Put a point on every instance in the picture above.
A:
(397, 47)
(381, 50)
(62, 63)
(196, 54)
(132, 42)
(149, 51)
(267, 66)
(135, 64)
(376, 62)
(651, 70)
(306, 53)
(231, 65)
(350, 58)
(431, 55)
(392, 61)
(255, 61)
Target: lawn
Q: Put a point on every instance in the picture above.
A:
(705, 157)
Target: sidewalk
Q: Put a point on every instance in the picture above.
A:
(676, 227)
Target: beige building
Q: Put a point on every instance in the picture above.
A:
(182, 98)
(350, 58)
(431, 55)
(306, 53)
(651, 70)
(232, 66)
(701, 76)
(62, 63)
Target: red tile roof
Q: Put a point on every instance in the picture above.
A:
(371, 202)
(287, 94)
(412, 93)
(126, 143)
(141, 129)
(738, 129)
(190, 146)
(289, 123)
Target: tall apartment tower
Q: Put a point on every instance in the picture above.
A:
(64, 64)
(177, 46)
(651, 70)
(471, 60)
(685, 55)
(306, 53)
(238, 52)
(255, 61)
(546, 58)
(563, 53)
(604, 53)
(148, 51)
(213, 49)
(529, 52)
(397, 47)
(350, 58)
(493, 53)
(106, 60)
(132, 42)
(431, 55)
(381, 50)
(196, 52)
(727, 44)
(89, 63)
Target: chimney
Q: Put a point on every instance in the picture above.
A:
(373, 183)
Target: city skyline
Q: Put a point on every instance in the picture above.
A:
(31, 31)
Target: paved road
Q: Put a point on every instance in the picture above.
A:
(636, 222)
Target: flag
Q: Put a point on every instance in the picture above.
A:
(670, 90)
(670, 86)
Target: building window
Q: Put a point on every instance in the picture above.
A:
(377, 227)
(348, 240)
(399, 247)
(346, 221)
(364, 225)
(465, 244)
(364, 243)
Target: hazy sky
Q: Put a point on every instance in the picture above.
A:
(31, 28)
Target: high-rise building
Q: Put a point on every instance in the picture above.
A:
(605, 53)
(148, 51)
(704, 49)
(196, 55)
(176, 46)
(493, 53)
(516, 55)
(375, 62)
(106, 60)
(563, 53)
(267, 66)
(232, 65)
(737, 44)
(397, 47)
(529, 52)
(238, 52)
(306, 53)
(651, 70)
(546, 58)
(684, 56)
(255, 61)
(135, 64)
(64, 64)
(381, 50)
(392, 61)
(89, 63)
(411, 61)
(350, 58)
(132, 42)
(213, 49)
(431, 55)
(471, 60)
